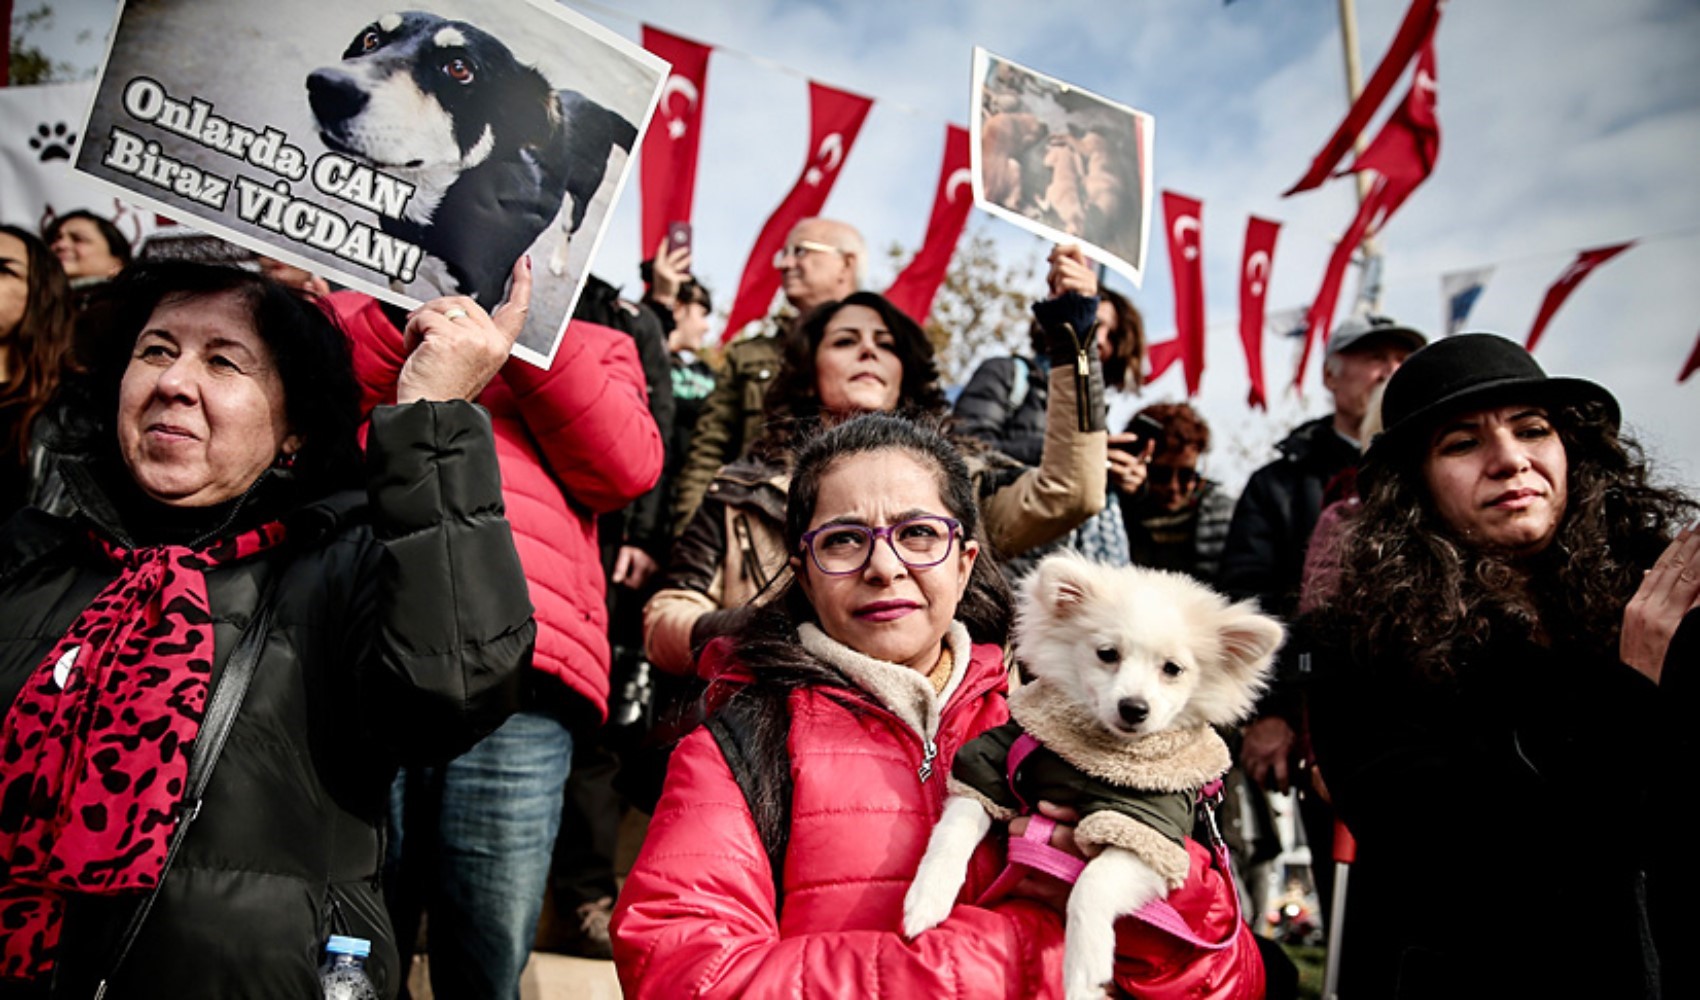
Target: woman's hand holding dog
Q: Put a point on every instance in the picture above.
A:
(1669, 591)
(454, 348)
(1038, 886)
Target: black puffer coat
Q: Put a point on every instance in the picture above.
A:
(400, 629)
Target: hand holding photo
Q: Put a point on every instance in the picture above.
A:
(1062, 163)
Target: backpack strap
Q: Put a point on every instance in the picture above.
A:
(763, 773)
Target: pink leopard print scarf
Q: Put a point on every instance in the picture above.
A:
(94, 752)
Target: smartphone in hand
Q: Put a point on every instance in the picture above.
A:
(678, 237)
(1144, 430)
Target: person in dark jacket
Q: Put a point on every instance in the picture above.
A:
(223, 484)
(1504, 707)
(1265, 554)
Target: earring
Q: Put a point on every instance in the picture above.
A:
(284, 460)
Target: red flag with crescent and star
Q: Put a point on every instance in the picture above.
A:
(835, 117)
(1414, 33)
(1402, 155)
(1259, 259)
(1579, 268)
(669, 164)
(1186, 251)
(914, 289)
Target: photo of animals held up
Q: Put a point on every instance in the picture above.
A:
(1061, 162)
(408, 153)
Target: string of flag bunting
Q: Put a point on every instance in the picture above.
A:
(1397, 160)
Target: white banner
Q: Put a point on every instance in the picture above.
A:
(1459, 291)
(39, 128)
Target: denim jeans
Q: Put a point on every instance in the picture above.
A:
(470, 844)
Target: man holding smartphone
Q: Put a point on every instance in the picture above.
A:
(823, 261)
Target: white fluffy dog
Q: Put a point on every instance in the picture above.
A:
(1131, 669)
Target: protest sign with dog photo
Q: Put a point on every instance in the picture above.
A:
(407, 154)
(1061, 162)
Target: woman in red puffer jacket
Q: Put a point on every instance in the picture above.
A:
(864, 681)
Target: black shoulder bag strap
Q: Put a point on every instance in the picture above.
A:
(733, 728)
(226, 702)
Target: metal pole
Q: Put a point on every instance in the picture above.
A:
(1369, 289)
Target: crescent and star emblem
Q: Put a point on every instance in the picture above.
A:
(832, 151)
(1257, 268)
(958, 178)
(678, 85)
(1184, 225)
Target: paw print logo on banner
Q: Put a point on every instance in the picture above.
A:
(53, 142)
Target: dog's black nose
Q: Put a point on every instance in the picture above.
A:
(335, 96)
(1133, 710)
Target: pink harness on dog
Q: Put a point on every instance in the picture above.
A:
(1032, 851)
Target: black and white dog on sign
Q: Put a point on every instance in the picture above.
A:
(490, 147)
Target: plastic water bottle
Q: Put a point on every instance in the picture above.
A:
(343, 976)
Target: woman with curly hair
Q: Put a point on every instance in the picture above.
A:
(1501, 697)
(857, 355)
(35, 333)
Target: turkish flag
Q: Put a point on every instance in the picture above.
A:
(1691, 365)
(1402, 155)
(1414, 32)
(669, 162)
(1321, 315)
(1260, 237)
(1183, 216)
(1579, 268)
(914, 289)
(835, 117)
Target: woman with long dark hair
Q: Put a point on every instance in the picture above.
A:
(858, 355)
(1504, 686)
(35, 333)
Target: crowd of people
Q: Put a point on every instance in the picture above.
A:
(440, 619)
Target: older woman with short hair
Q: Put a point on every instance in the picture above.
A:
(1507, 689)
(235, 587)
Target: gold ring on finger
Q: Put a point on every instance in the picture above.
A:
(456, 313)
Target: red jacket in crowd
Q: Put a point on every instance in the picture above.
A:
(573, 442)
(697, 916)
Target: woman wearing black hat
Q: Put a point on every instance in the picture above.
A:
(1498, 705)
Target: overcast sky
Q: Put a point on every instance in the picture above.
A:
(1565, 124)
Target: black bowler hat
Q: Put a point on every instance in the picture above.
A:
(1468, 372)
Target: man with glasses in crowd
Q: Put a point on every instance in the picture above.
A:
(823, 261)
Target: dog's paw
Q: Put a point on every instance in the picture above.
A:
(926, 905)
(1085, 987)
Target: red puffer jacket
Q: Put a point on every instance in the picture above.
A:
(697, 916)
(573, 442)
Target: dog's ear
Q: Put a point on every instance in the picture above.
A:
(530, 110)
(1249, 639)
(1061, 582)
(1245, 661)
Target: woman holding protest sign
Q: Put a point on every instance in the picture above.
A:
(213, 664)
